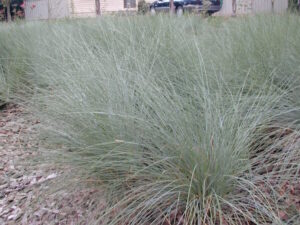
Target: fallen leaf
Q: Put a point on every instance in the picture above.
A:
(282, 215)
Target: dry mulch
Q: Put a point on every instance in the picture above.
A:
(38, 193)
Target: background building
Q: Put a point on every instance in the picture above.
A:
(53, 9)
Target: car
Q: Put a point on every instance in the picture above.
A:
(209, 6)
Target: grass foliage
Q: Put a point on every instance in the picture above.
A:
(182, 120)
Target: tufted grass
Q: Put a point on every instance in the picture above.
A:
(181, 120)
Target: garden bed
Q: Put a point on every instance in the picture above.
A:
(32, 193)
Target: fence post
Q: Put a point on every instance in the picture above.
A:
(233, 7)
(49, 10)
(172, 10)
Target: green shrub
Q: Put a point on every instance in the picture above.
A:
(16, 51)
(143, 7)
(293, 5)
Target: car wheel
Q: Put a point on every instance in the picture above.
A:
(152, 11)
(179, 11)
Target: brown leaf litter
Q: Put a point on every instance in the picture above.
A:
(29, 193)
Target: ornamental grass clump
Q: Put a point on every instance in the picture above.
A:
(180, 121)
(3, 82)
(15, 66)
(3, 89)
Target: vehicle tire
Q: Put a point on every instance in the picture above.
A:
(152, 11)
(179, 11)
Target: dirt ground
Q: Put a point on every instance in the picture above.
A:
(38, 193)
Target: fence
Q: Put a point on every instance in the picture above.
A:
(253, 6)
(46, 9)
(280, 5)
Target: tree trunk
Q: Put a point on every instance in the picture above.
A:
(8, 13)
(172, 9)
(97, 7)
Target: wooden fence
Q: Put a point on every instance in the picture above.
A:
(253, 6)
(46, 9)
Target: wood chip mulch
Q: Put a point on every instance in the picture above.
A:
(29, 192)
